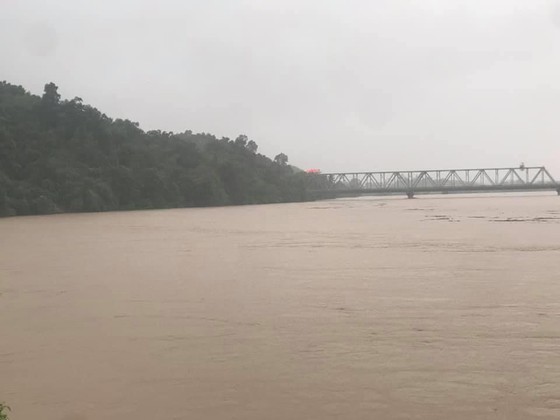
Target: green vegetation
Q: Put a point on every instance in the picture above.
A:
(64, 156)
(4, 411)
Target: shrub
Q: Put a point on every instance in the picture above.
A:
(3, 411)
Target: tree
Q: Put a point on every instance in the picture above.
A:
(66, 156)
(281, 159)
(252, 146)
(241, 140)
(50, 104)
(51, 96)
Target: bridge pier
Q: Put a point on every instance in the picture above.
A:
(558, 191)
(410, 194)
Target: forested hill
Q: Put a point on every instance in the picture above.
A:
(64, 156)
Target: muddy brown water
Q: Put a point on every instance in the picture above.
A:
(372, 308)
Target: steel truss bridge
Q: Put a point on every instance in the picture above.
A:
(522, 178)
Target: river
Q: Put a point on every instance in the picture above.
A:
(441, 307)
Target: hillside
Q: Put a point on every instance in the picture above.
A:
(64, 156)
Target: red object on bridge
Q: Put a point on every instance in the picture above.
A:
(313, 171)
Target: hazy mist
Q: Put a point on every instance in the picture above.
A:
(336, 85)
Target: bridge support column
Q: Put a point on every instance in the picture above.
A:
(558, 191)
(410, 194)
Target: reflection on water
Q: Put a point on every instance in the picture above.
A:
(432, 308)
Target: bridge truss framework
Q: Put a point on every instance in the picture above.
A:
(443, 181)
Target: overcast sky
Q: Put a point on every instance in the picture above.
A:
(341, 85)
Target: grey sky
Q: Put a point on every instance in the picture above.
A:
(336, 85)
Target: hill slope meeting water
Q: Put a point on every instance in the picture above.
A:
(65, 156)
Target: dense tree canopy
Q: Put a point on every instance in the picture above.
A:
(63, 156)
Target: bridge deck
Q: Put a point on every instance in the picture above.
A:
(438, 181)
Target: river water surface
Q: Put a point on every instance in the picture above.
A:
(441, 307)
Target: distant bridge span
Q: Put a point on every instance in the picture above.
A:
(534, 178)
